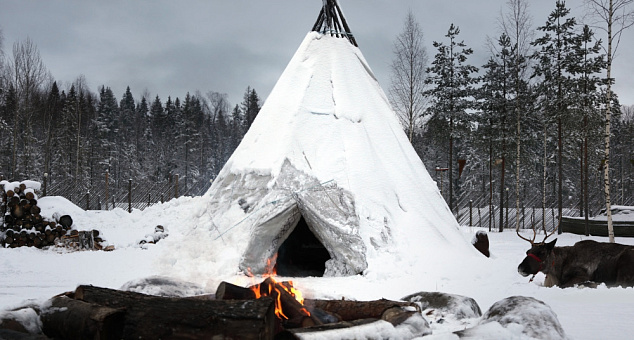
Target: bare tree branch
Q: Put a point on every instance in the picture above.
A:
(408, 75)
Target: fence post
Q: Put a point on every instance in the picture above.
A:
(471, 213)
(162, 199)
(148, 200)
(88, 200)
(507, 208)
(130, 195)
(176, 186)
(44, 189)
(479, 217)
(107, 175)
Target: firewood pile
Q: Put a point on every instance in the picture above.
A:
(23, 225)
(233, 313)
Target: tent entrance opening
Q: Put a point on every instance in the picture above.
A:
(302, 254)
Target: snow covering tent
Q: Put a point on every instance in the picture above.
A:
(326, 154)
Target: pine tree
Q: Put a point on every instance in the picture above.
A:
(451, 96)
(496, 98)
(586, 64)
(554, 57)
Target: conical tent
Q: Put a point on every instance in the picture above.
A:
(327, 153)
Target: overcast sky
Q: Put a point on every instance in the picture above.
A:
(169, 48)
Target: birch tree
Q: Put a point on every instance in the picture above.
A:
(516, 23)
(612, 17)
(408, 75)
(27, 74)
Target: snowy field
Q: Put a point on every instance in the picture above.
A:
(193, 252)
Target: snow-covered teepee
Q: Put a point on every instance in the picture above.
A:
(325, 180)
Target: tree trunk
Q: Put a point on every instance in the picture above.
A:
(517, 162)
(586, 179)
(355, 310)
(608, 116)
(560, 167)
(490, 182)
(74, 319)
(544, 181)
(451, 164)
(153, 317)
(502, 171)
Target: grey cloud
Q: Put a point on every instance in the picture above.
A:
(170, 48)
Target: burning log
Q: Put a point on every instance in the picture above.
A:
(289, 307)
(294, 312)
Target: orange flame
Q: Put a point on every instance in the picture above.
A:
(273, 291)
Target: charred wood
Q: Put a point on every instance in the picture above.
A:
(153, 317)
(355, 310)
(74, 319)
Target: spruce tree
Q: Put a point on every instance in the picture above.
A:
(107, 128)
(250, 107)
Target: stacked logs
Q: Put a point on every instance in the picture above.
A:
(317, 316)
(23, 225)
(233, 313)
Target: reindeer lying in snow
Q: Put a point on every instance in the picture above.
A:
(585, 261)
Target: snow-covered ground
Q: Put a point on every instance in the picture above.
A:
(193, 252)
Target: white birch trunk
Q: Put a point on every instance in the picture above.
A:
(608, 116)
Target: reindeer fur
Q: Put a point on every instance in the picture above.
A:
(585, 261)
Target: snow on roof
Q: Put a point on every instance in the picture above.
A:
(329, 117)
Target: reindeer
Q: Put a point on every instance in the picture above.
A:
(586, 262)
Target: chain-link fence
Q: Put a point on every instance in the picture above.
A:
(483, 210)
(135, 194)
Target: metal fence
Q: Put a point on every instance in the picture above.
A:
(473, 209)
(135, 194)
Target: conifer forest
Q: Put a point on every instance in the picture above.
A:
(529, 125)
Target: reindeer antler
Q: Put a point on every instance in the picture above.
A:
(552, 232)
(517, 230)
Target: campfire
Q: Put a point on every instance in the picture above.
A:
(269, 309)
(295, 315)
(293, 302)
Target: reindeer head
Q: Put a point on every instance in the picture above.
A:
(538, 256)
